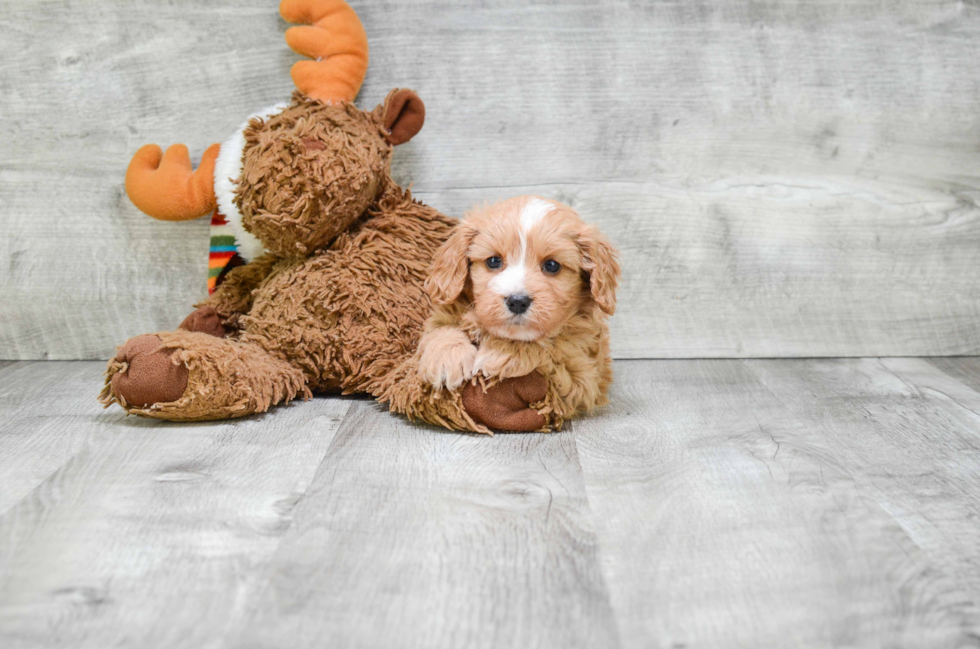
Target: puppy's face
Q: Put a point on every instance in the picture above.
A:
(527, 265)
(525, 269)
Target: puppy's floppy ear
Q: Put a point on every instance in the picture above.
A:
(601, 261)
(403, 114)
(451, 266)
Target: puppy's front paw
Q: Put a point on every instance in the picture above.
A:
(490, 363)
(447, 366)
(503, 362)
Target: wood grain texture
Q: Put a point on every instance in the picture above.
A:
(784, 179)
(412, 538)
(47, 418)
(730, 517)
(911, 434)
(144, 534)
(714, 503)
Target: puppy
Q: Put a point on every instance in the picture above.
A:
(523, 286)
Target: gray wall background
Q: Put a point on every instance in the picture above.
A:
(782, 178)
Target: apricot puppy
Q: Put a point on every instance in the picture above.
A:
(521, 286)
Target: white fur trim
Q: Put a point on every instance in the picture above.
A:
(227, 170)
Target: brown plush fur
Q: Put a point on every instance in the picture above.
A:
(340, 302)
(226, 378)
(348, 314)
(337, 302)
(310, 172)
(473, 335)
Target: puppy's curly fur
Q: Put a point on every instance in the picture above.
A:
(521, 286)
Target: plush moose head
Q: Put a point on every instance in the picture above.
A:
(295, 175)
(311, 170)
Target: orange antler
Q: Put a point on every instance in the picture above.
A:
(334, 37)
(168, 190)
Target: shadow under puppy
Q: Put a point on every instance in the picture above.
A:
(522, 290)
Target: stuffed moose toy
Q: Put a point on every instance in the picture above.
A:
(318, 258)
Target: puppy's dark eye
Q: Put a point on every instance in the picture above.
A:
(493, 262)
(551, 266)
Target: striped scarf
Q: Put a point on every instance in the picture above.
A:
(223, 256)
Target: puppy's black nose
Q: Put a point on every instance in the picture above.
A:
(518, 304)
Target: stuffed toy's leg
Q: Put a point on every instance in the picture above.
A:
(517, 404)
(195, 376)
(206, 321)
(506, 405)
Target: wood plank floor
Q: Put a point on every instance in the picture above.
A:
(757, 503)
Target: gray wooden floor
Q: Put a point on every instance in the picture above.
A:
(757, 503)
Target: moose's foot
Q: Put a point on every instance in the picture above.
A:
(507, 405)
(193, 376)
(145, 373)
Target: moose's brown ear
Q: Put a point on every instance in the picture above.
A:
(404, 115)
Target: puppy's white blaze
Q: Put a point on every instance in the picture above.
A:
(510, 281)
(535, 210)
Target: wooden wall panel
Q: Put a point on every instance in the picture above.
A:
(783, 178)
